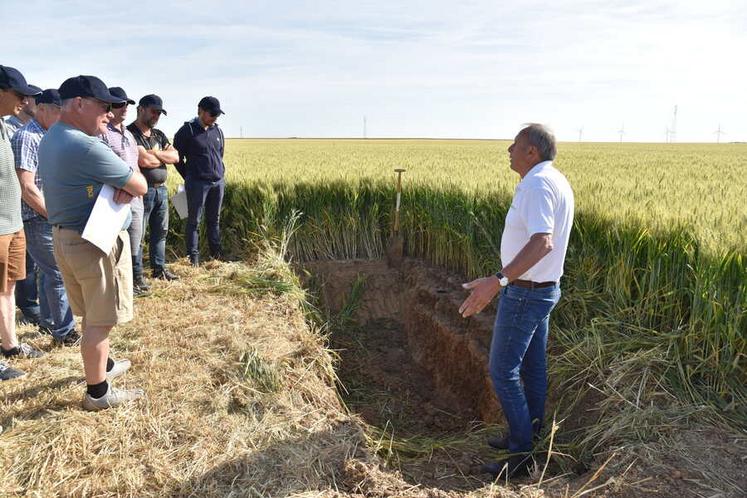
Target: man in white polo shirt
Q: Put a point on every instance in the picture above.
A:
(533, 247)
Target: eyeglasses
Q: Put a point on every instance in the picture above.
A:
(119, 106)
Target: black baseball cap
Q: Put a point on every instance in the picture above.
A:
(12, 78)
(211, 105)
(88, 86)
(49, 96)
(153, 101)
(118, 91)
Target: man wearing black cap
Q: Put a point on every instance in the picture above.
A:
(155, 153)
(121, 141)
(74, 165)
(56, 317)
(200, 143)
(27, 293)
(14, 92)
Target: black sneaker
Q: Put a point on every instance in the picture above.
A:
(7, 372)
(164, 274)
(71, 339)
(194, 260)
(29, 319)
(218, 255)
(23, 350)
(140, 282)
(45, 330)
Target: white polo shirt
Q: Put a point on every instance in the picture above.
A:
(542, 203)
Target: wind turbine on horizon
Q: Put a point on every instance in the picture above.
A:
(580, 133)
(621, 131)
(718, 133)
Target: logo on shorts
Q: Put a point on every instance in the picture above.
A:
(89, 191)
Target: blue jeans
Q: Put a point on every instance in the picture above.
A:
(155, 217)
(27, 293)
(135, 231)
(207, 195)
(55, 310)
(518, 354)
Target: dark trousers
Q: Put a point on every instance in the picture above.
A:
(156, 219)
(208, 196)
(27, 292)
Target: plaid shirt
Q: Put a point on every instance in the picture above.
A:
(25, 145)
(123, 144)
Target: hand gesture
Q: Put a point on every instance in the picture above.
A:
(483, 291)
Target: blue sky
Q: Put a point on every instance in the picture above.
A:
(471, 69)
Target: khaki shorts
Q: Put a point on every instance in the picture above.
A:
(98, 285)
(12, 258)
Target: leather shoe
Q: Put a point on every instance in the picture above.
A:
(516, 465)
(164, 274)
(499, 443)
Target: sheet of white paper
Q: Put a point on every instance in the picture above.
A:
(106, 220)
(179, 201)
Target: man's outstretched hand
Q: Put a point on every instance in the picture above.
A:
(483, 291)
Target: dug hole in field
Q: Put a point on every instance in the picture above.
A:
(243, 400)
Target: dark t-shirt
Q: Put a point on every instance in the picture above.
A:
(156, 141)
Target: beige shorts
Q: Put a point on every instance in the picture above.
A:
(12, 258)
(98, 285)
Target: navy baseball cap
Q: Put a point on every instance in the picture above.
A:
(49, 96)
(211, 105)
(88, 86)
(118, 91)
(12, 78)
(153, 101)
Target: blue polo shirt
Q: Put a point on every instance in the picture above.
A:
(73, 167)
(200, 151)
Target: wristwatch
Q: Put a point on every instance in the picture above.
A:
(502, 279)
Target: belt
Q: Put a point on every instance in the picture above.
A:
(528, 284)
(156, 185)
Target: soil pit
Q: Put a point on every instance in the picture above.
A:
(411, 366)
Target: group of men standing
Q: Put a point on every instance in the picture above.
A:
(52, 169)
(76, 142)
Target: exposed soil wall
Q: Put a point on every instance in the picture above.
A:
(424, 300)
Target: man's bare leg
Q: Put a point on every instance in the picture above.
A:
(94, 347)
(8, 317)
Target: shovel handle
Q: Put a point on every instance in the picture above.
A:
(399, 172)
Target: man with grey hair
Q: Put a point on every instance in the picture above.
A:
(74, 165)
(533, 247)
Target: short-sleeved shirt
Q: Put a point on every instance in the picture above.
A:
(10, 189)
(123, 144)
(156, 141)
(25, 145)
(543, 203)
(73, 168)
(13, 124)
